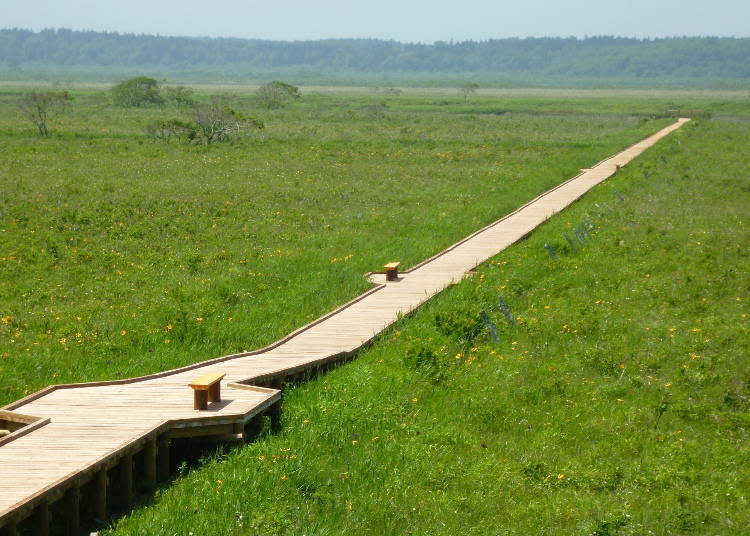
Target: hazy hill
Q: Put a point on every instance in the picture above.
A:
(602, 58)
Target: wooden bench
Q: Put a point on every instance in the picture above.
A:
(391, 271)
(206, 389)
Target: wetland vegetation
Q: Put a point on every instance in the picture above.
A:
(618, 404)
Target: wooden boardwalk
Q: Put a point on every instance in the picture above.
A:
(87, 432)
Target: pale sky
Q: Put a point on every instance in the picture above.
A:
(402, 20)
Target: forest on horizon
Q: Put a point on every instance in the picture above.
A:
(700, 61)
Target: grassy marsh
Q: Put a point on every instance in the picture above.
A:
(618, 405)
(122, 257)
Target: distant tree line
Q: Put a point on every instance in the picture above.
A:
(682, 57)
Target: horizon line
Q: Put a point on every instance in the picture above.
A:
(451, 41)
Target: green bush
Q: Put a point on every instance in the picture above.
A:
(461, 325)
(180, 95)
(277, 94)
(137, 92)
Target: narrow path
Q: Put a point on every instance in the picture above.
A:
(94, 427)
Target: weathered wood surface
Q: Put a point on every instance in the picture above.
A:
(94, 427)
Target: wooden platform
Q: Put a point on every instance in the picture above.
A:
(88, 429)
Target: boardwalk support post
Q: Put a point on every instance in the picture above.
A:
(163, 446)
(73, 506)
(238, 430)
(274, 414)
(149, 461)
(101, 494)
(126, 480)
(41, 517)
(252, 428)
(10, 528)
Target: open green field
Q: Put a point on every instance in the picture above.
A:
(620, 404)
(121, 256)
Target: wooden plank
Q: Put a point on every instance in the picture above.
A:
(207, 380)
(32, 426)
(12, 416)
(201, 431)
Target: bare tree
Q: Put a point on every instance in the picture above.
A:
(469, 88)
(38, 107)
(171, 129)
(216, 122)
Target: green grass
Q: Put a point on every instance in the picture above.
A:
(619, 405)
(122, 257)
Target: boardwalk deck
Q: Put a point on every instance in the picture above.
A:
(93, 427)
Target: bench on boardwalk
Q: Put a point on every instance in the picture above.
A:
(206, 389)
(391, 271)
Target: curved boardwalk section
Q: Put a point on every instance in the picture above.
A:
(68, 440)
